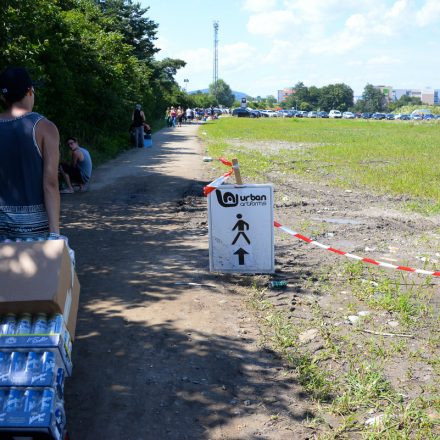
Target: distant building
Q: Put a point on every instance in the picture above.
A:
(387, 91)
(412, 93)
(427, 96)
(284, 93)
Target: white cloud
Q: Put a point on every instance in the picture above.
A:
(259, 5)
(197, 60)
(429, 13)
(283, 53)
(317, 11)
(383, 60)
(232, 57)
(271, 23)
(398, 9)
(356, 23)
(236, 56)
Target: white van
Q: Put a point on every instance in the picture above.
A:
(335, 114)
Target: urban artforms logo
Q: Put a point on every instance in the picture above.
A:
(227, 199)
(230, 200)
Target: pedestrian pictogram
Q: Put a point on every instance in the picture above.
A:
(240, 226)
(241, 229)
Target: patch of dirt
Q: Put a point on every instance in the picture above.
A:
(270, 147)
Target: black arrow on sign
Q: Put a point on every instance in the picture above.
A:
(241, 253)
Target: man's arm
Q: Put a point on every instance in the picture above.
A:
(48, 139)
(77, 156)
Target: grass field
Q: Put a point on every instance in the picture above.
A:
(395, 157)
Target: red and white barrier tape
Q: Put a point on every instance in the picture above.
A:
(354, 257)
(217, 182)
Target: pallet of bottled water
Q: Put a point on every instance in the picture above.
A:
(32, 412)
(32, 368)
(26, 333)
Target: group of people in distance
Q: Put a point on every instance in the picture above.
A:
(29, 163)
(174, 117)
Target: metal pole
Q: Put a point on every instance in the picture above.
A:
(215, 67)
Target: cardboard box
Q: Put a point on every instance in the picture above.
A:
(39, 277)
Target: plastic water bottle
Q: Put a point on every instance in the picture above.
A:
(278, 284)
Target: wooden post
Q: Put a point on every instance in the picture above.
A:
(237, 174)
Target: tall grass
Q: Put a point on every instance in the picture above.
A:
(396, 157)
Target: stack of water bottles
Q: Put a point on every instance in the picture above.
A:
(35, 352)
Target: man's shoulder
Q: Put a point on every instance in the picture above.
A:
(47, 125)
(85, 151)
(46, 129)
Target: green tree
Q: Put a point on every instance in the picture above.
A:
(305, 106)
(90, 69)
(314, 97)
(404, 100)
(201, 100)
(128, 19)
(336, 96)
(373, 100)
(222, 93)
(301, 92)
(270, 101)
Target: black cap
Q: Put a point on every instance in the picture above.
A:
(15, 83)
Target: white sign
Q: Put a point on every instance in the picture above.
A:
(243, 102)
(241, 237)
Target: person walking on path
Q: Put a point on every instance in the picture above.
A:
(80, 169)
(173, 114)
(168, 117)
(29, 157)
(137, 122)
(180, 114)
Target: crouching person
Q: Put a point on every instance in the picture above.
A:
(79, 171)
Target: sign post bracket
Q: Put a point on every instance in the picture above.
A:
(236, 168)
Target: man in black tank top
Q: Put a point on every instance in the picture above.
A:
(137, 122)
(29, 156)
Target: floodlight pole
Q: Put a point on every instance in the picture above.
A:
(215, 66)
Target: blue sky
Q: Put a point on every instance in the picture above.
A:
(266, 45)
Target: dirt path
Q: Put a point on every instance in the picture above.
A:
(156, 358)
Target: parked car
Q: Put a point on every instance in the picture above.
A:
(312, 114)
(390, 116)
(322, 115)
(416, 117)
(378, 116)
(365, 115)
(285, 113)
(348, 115)
(405, 117)
(270, 113)
(335, 114)
(429, 116)
(241, 112)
